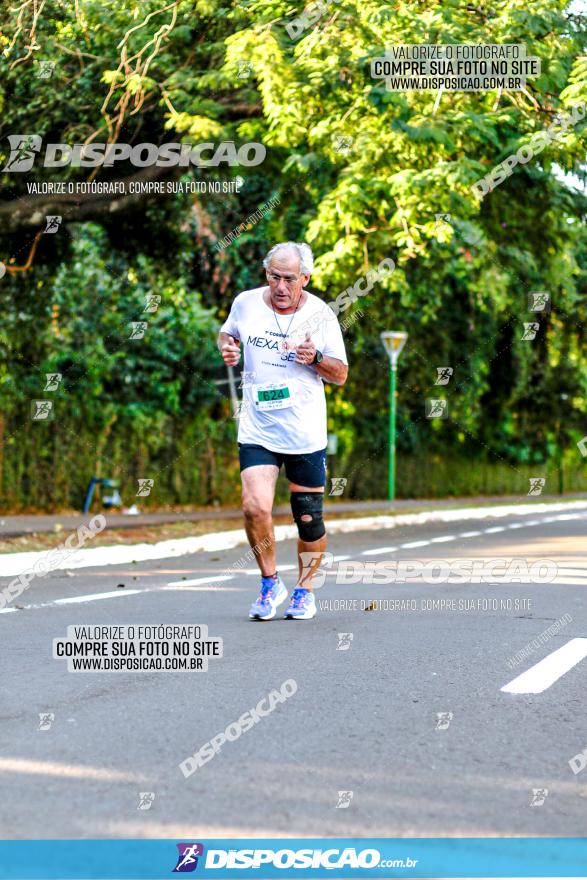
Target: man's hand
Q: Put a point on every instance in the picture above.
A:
(230, 351)
(306, 351)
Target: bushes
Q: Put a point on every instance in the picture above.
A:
(50, 466)
(122, 407)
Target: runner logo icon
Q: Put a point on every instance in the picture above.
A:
(187, 859)
(23, 150)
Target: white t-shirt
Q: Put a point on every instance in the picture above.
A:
(284, 405)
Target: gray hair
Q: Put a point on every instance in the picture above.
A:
(304, 252)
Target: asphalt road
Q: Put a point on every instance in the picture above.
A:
(364, 719)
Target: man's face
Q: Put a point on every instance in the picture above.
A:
(285, 280)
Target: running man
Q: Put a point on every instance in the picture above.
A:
(292, 344)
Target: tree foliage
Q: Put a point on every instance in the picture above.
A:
(362, 174)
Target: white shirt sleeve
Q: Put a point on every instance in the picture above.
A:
(333, 344)
(231, 323)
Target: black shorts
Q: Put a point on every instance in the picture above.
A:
(303, 468)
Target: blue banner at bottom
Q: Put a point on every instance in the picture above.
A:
(288, 857)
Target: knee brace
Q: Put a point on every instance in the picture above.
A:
(308, 504)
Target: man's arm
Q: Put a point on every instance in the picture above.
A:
(223, 339)
(332, 370)
(229, 348)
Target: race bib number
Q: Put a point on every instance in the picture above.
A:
(275, 395)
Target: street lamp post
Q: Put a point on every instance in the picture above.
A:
(560, 450)
(393, 343)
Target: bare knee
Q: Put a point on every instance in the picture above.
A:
(256, 509)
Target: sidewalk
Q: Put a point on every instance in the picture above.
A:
(30, 524)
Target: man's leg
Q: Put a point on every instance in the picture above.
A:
(316, 548)
(258, 484)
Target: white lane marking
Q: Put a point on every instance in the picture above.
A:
(543, 674)
(569, 581)
(123, 554)
(252, 571)
(442, 539)
(204, 589)
(92, 597)
(379, 551)
(113, 595)
(7, 610)
(340, 558)
(210, 579)
(570, 568)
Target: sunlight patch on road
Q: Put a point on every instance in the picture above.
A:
(69, 771)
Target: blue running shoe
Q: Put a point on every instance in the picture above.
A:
(302, 605)
(273, 593)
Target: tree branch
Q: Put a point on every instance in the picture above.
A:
(31, 210)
